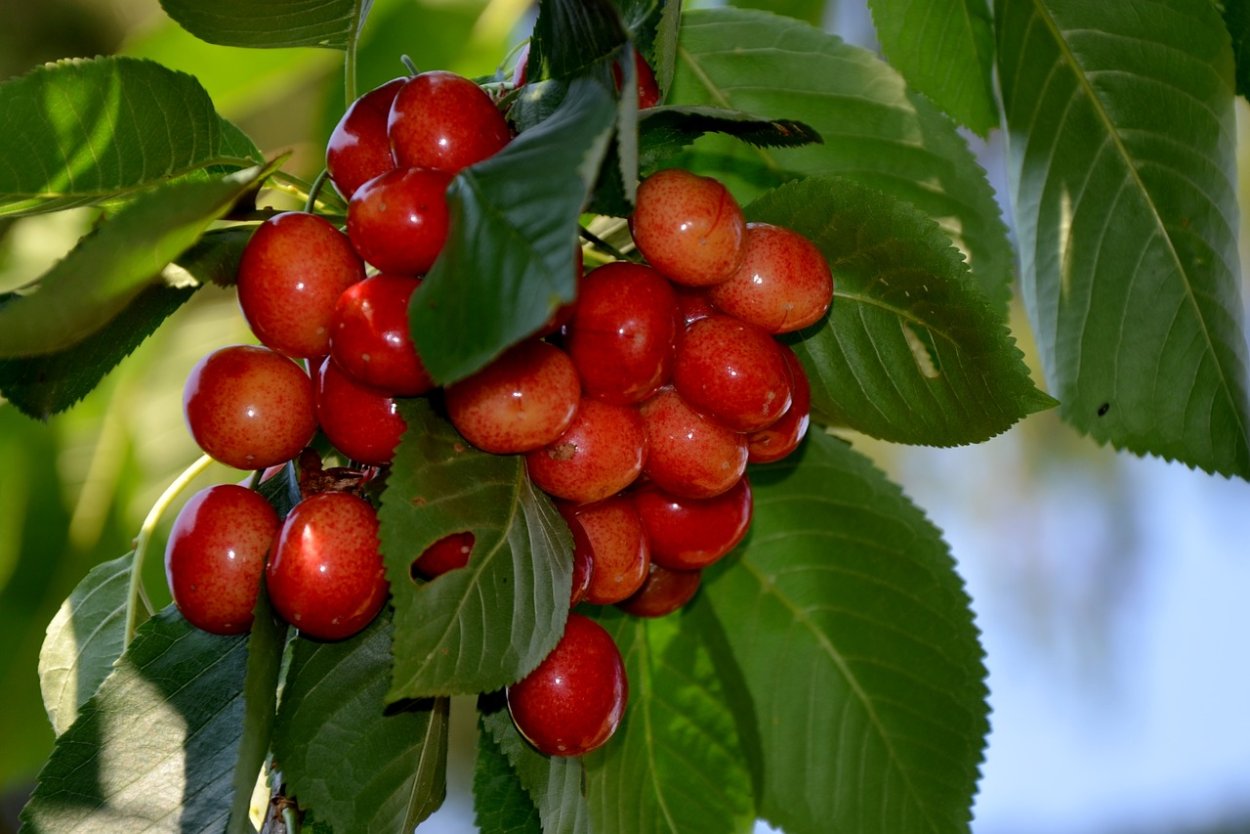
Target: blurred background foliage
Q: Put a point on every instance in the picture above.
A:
(1059, 540)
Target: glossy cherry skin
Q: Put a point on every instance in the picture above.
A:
(644, 81)
(733, 371)
(777, 440)
(783, 283)
(574, 701)
(444, 121)
(619, 551)
(293, 270)
(688, 227)
(398, 221)
(692, 304)
(690, 455)
(326, 576)
(369, 336)
(249, 407)
(523, 400)
(216, 554)
(663, 592)
(447, 554)
(600, 454)
(692, 533)
(622, 333)
(583, 556)
(361, 422)
(359, 148)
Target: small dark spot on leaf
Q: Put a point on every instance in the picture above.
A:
(1103, 409)
(458, 447)
(418, 501)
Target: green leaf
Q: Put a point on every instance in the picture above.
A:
(945, 49)
(876, 131)
(277, 23)
(110, 267)
(808, 11)
(156, 746)
(666, 130)
(675, 763)
(910, 352)
(508, 262)
(1121, 148)
(553, 783)
(664, 49)
(1237, 19)
(854, 637)
(570, 36)
(490, 623)
(80, 132)
(84, 639)
(355, 764)
(500, 803)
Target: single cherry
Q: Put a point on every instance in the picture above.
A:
(249, 407)
(688, 227)
(600, 454)
(779, 439)
(663, 592)
(216, 554)
(360, 421)
(398, 221)
(733, 371)
(618, 547)
(692, 533)
(359, 148)
(688, 454)
(369, 336)
(573, 702)
(444, 121)
(783, 284)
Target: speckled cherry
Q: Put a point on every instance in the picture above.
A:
(688, 454)
(733, 371)
(692, 533)
(783, 284)
(359, 148)
(619, 551)
(369, 336)
(600, 454)
(398, 221)
(360, 421)
(663, 592)
(777, 440)
(444, 121)
(688, 227)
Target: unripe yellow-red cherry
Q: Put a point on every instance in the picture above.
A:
(688, 227)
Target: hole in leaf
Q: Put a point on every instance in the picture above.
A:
(446, 554)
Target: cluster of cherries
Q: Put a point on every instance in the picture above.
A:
(637, 407)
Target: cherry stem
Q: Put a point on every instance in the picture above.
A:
(315, 190)
(134, 595)
(600, 243)
(409, 65)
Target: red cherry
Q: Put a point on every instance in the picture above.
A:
(618, 547)
(583, 556)
(692, 533)
(398, 221)
(688, 227)
(644, 77)
(663, 592)
(447, 554)
(326, 576)
(692, 304)
(778, 440)
(249, 407)
(359, 148)
(444, 121)
(732, 371)
(783, 284)
(369, 336)
(523, 400)
(361, 422)
(600, 454)
(215, 555)
(688, 454)
(622, 333)
(573, 702)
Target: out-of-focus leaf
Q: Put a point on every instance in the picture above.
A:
(1237, 19)
(490, 623)
(156, 747)
(508, 262)
(84, 639)
(275, 23)
(854, 637)
(675, 763)
(572, 35)
(1122, 155)
(945, 49)
(808, 11)
(80, 132)
(356, 765)
(111, 266)
(875, 130)
(909, 352)
(500, 803)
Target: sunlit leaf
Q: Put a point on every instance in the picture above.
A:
(853, 635)
(875, 130)
(356, 765)
(80, 132)
(1122, 155)
(275, 23)
(490, 623)
(910, 351)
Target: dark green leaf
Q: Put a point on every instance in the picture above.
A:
(910, 352)
(81, 132)
(554, 783)
(215, 256)
(490, 623)
(500, 803)
(355, 764)
(666, 130)
(1122, 154)
(275, 23)
(663, 52)
(572, 35)
(108, 268)
(156, 747)
(265, 643)
(875, 130)
(508, 263)
(675, 764)
(84, 638)
(808, 11)
(945, 49)
(1237, 19)
(853, 635)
